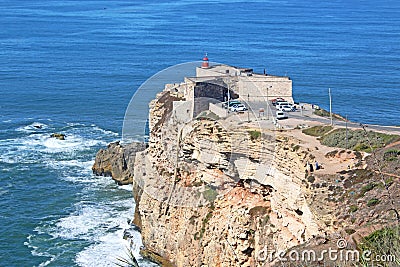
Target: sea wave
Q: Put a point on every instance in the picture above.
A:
(94, 226)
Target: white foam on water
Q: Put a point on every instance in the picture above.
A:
(3, 192)
(112, 247)
(103, 224)
(92, 220)
(100, 222)
(56, 145)
(105, 252)
(33, 127)
(90, 180)
(82, 224)
(45, 144)
(128, 187)
(107, 132)
(75, 166)
(35, 252)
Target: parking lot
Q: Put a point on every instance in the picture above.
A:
(260, 110)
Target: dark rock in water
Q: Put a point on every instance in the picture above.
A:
(59, 136)
(136, 228)
(127, 235)
(117, 161)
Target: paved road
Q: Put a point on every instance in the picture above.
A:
(307, 115)
(350, 124)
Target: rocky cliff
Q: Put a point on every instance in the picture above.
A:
(212, 192)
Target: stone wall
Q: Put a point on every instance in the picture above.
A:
(218, 110)
(259, 87)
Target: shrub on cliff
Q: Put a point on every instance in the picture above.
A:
(324, 113)
(254, 135)
(383, 245)
(317, 130)
(356, 140)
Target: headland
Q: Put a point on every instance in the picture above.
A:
(225, 184)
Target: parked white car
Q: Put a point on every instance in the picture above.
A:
(286, 108)
(238, 108)
(282, 103)
(280, 115)
(231, 103)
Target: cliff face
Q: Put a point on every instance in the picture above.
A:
(212, 192)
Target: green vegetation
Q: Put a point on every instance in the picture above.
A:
(391, 154)
(210, 194)
(254, 135)
(353, 208)
(382, 243)
(208, 115)
(372, 202)
(311, 179)
(317, 130)
(295, 147)
(265, 220)
(356, 140)
(324, 113)
(389, 181)
(367, 188)
(199, 235)
(350, 231)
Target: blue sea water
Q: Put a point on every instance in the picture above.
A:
(72, 66)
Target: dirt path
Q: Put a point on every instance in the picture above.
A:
(393, 144)
(329, 165)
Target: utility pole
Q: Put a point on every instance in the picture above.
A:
(268, 104)
(248, 108)
(229, 97)
(347, 139)
(330, 105)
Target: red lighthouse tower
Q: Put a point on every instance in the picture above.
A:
(205, 64)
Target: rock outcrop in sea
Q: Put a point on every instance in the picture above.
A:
(118, 161)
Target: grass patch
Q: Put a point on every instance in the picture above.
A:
(324, 113)
(367, 188)
(357, 140)
(207, 115)
(389, 181)
(199, 235)
(317, 130)
(210, 194)
(295, 147)
(254, 135)
(391, 154)
(353, 208)
(372, 202)
(384, 242)
(349, 231)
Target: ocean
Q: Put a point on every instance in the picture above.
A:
(73, 66)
